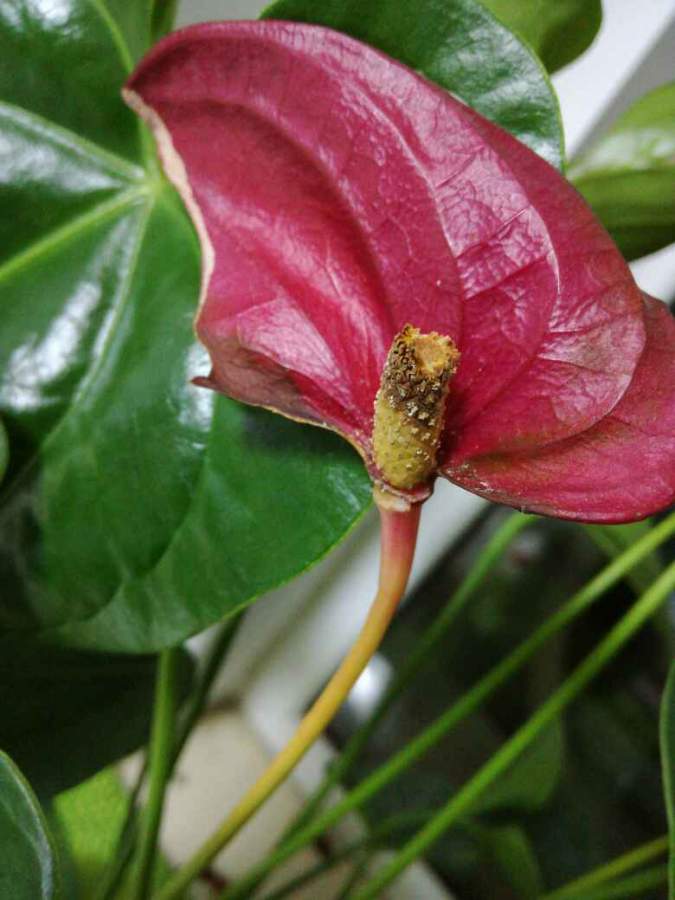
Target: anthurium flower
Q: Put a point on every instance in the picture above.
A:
(380, 260)
(339, 198)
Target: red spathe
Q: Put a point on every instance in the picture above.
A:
(340, 196)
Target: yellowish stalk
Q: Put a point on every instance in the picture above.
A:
(399, 533)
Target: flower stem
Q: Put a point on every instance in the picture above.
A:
(126, 842)
(611, 870)
(161, 741)
(370, 842)
(196, 703)
(358, 871)
(459, 710)
(399, 534)
(619, 635)
(416, 661)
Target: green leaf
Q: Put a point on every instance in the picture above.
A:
(514, 856)
(668, 769)
(558, 32)
(628, 177)
(459, 45)
(90, 818)
(28, 865)
(87, 709)
(137, 509)
(531, 780)
(163, 16)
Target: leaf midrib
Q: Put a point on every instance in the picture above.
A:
(77, 142)
(115, 34)
(127, 61)
(89, 376)
(62, 235)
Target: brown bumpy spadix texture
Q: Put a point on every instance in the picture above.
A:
(410, 406)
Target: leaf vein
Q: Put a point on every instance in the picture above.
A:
(74, 140)
(71, 229)
(115, 33)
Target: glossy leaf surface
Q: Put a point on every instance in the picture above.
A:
(88, 709)
(558, 32)
(628, 177)
(28, 866)
(460, 46)
(668, 769)
(323, 235)
(131, 494)
(90, 818)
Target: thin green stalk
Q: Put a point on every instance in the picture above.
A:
(612, 540)
(161, 740)
(359, 869)
(611, 870)
(191, 715)
(466, 705)
(422, 652)
(628, 888)
(384, 831)
(126, 842)
(199, 698)
(459, 804)
(325, 865)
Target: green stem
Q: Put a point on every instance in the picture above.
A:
(619, 635)
(370, 841)
(466, 705)
(191, 715)
(199, 698)
(612, 540)
(359, 869)
(422, 652)
(159, 764)
(126, 842)
(288, 888)
(628, 888)
(611, 870)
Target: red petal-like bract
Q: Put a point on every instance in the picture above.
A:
(339, 196)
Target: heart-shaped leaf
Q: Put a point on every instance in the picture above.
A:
(89, 709)
(558, 32)
(128, 487)
(628, 177)
(131, 512)
(668, 769)
(28, 864)
(459, 45)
